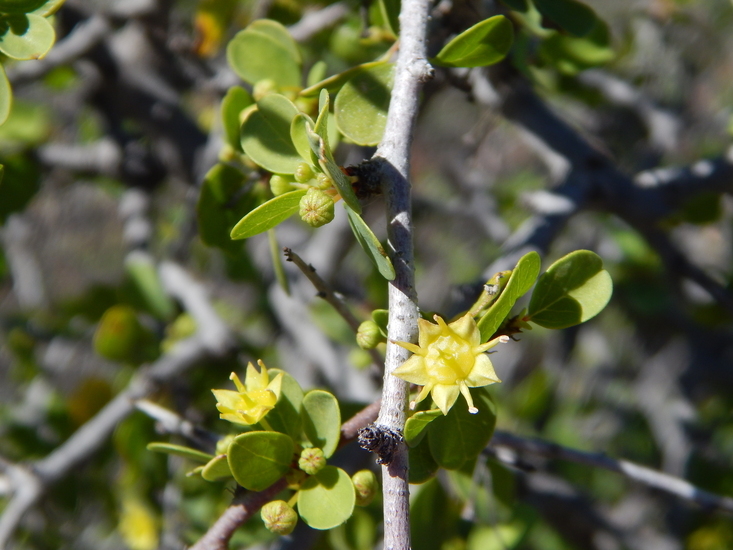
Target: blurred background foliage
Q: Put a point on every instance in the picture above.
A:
(105, 155)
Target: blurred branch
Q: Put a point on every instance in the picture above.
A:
(503, 445)
(212, 340)
(316, 21)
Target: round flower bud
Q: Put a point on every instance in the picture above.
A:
(311, 461)
(280, 185)
(279, 517)
(263, 88)
(368, 336)
(365, 485)
(316, 208)
(222, 446)
(324, 181)
(303, 173)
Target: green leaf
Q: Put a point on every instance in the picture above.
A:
(6, 95)
(460, 436)
(259, 459)
(362, 104)
(217, 468)
(316, 73)
(571, 291)
(268, 215)
(180, 450)
(119, 334)
(571, 55)
(389, 13)
(575, 17)
(299, 129)
(29, 124)
(517, 5)
(48, 7)
(144, 275)
(381, 317)
(236, 100)
(434, 517)
(26, 36)
(521, 280)
(334, 83)
(485, 43)
(370, 244)
(422, 464)
(20, 6)
(416, 424)
(20, 183)
(266, 135)
(322, 420)
(326, 499)
(318, 139)
(263, 52)
(285, 417)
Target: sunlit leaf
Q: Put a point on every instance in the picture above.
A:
(573, 16)
(416, 424)
(286, 417)
(483, 44)
(259, 459)
(371, 245)
(180, 450)
(268, 215)
(20, 6)
(217, 468)
(234, 102)
(26, 36)
(322, 420)
(326, 499)
(6, 95)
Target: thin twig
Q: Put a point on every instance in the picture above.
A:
(652, 478)
(326, 292)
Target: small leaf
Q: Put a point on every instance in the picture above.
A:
(422, 464)
(277, 31)
(299, 128)
(6, 95)
(144, 275)
(48, 7)
(119, 334)
(316, 73)
(370, 244)
(362, 104)
(260, 54)
(217, 468)
(521, 280)
(381, 317)
(571, 55)
(266, 135)
(286, 417)
(573, 16)
(485, 43)
(326, 500)
(20, 6)
(416, 424)
(389, 12)
(234, 102)
(460, 436)
(268, 215)
(180, 450)
(26, 36)
(321, 420)
(259, 459)
(572, 290)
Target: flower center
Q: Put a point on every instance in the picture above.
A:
(449, 360)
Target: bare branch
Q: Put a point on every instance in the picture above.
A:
(314, 22)
(502, 442)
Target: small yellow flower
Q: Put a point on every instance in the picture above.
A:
(252, 400)
(449, 359)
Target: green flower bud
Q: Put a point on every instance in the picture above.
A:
(368, 336)
(324, 181)
(263, 88)
(311, 461)
(303, 173)
(366, 486)
(222, 446)
(280, 185)
(279, 517)
(316, 208)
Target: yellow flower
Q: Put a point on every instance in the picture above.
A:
(449, 359)
(252, 400)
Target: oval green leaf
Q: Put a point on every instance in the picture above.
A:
(144, 275)
(362, 104)
(299, 128)
(521, 280)
(321, 420)
(422, 464)
(234, 102)
(485, 43)
(326, 500)
(26, 36)
(573, 16)
(460, 436)
(285, 417)
(268, 215)
(217, 468)
(255, 55)
(6, 95)
(20, 6)
(266, 135)
(48, 7)
(572, 290)
(259, 459)
(571, 55)
(416, 424)
(180, 450)
(277, 31)
(370, 244)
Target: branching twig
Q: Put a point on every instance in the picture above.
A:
(641, 474)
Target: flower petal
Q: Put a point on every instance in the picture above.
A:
(428, 332)
(417, 350)
(466, 328)
(483, 373)
(469, 398)
(256, 380)
(413, 370)
(445, 396)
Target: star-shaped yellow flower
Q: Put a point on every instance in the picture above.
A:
(449, 359)
(252, 400)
